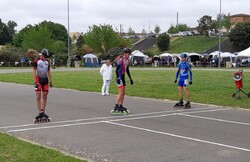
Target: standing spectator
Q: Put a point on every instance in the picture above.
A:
(106, 72)
(53, 61)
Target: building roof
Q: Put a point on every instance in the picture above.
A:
(240, 15)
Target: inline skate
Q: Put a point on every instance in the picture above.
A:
(119, 110)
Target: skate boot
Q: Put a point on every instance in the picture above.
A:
(187, 105)
(38, 118)
(179, 104)
(115, 110)
(119, 110)
(124, 110)
(45, 117)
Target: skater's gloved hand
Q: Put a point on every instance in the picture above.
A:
(36, 85)
(175, 81)
(190, 82)
(50, 84)
(118, 81)
(131, 81)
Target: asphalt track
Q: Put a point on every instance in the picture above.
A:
(154, 132)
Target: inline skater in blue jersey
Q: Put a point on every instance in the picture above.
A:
(122, 67)
(183, 70)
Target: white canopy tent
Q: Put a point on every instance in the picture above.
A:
(166, 55)
(244, 53)
(227, 57)
(138, 57)
(167, 59)
(243, 58)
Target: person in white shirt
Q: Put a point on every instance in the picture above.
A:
(106, 72)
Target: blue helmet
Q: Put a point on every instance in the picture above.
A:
(183, 55)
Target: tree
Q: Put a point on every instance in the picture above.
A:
(11, 28)
(163, 42)
(80, 44)
(178, 28)
(240, 36)
(182, 27)
(157, 29)
(5, 36)
(144, 31)
(59, 32)
(131, 31)
(38, 39)
(11, 54)
(102, 38)
(225, 21)
(18, 38)
(206, 24)
(172, 29)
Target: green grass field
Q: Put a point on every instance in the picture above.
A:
(198, 44)
(209, 86)
(14, 150)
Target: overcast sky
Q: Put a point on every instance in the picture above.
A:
(137, 14)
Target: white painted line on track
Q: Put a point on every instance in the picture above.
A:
(54, 126)
(99, 118)
(100, 121)
(179, 136)
(214, 119)
(164, 115)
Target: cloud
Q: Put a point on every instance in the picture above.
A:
(140, 14)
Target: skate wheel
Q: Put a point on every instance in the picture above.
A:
(125, 112)
(114, 112)
(120, 113)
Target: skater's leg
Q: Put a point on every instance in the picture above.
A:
(44, 100)
(38, 101)
(122, 96)
(180, 89)
(186, 93)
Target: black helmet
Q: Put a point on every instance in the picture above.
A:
(126, 50)
(45, 52)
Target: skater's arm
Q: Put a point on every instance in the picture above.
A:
(34, 75)
(50, 76)
(128, 72)
(116, 71)
(177, 74)
(191, 74)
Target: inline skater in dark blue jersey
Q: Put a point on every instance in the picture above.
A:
(122, 67)
(183, 70)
